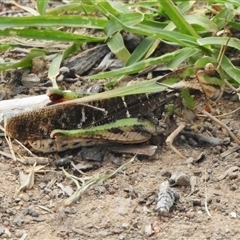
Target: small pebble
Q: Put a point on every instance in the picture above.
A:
(148, 230)
(19, 233)
(190, 214)
(39, 219)
(233, 214)
(6, 223)
(190, 160)
(33, 213)
(30, 80)
(233, 175)
(233, 187)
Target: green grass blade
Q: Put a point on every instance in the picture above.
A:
(141, 50)
(177, 18)
(203, 22)
(139, 66)
(54, 69)
(71, 8)
(24, 63)
(230, 70)
(184, 55)
(116, 23)
(53, 35)
(53, 21)
(222, 18)
(171, 36)
(56, 63)
(117, 46)
(42, 6)
(233, 42)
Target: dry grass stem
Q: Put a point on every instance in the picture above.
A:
(222, 125)
(171, 138)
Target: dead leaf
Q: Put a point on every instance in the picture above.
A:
(26, 180)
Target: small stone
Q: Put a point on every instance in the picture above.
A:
(6, 223)
(19, 233)
(233, 187)
(18, 221)
(42, 185)
(39, 219)
(125, 225)
(165, 173)
(217, 150)
(226, 141)
(148, 230)
(196, 202)
(26, 211)
(156, 229)
(30, 80)
(34, 213)
(233, 175)
(91, 154)
(190, 160)
(17, 200)
(2, 230)
(192, 142)
(179, 178)
(190, 214)
(233, 214)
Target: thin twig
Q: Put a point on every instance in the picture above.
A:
(33, 155)
(10, 156)
(222, 125)
(9, 142)
(221, 115)
(171, 138)
(78, 170)
(236, 90)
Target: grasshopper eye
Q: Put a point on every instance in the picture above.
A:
(210, 69)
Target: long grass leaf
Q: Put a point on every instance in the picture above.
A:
(141, 50)
(53, 35)
(53, 21)
(139, 66)
(177, 18)
(233, 42)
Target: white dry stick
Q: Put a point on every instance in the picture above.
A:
(12, 107)
(166, 198)
(205, 201)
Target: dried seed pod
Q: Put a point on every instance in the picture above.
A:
(210, 69)
(166, 198)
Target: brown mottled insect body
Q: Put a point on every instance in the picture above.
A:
(39, 123)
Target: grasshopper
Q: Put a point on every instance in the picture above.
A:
(122, 118)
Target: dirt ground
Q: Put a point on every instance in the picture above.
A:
(123, 207)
